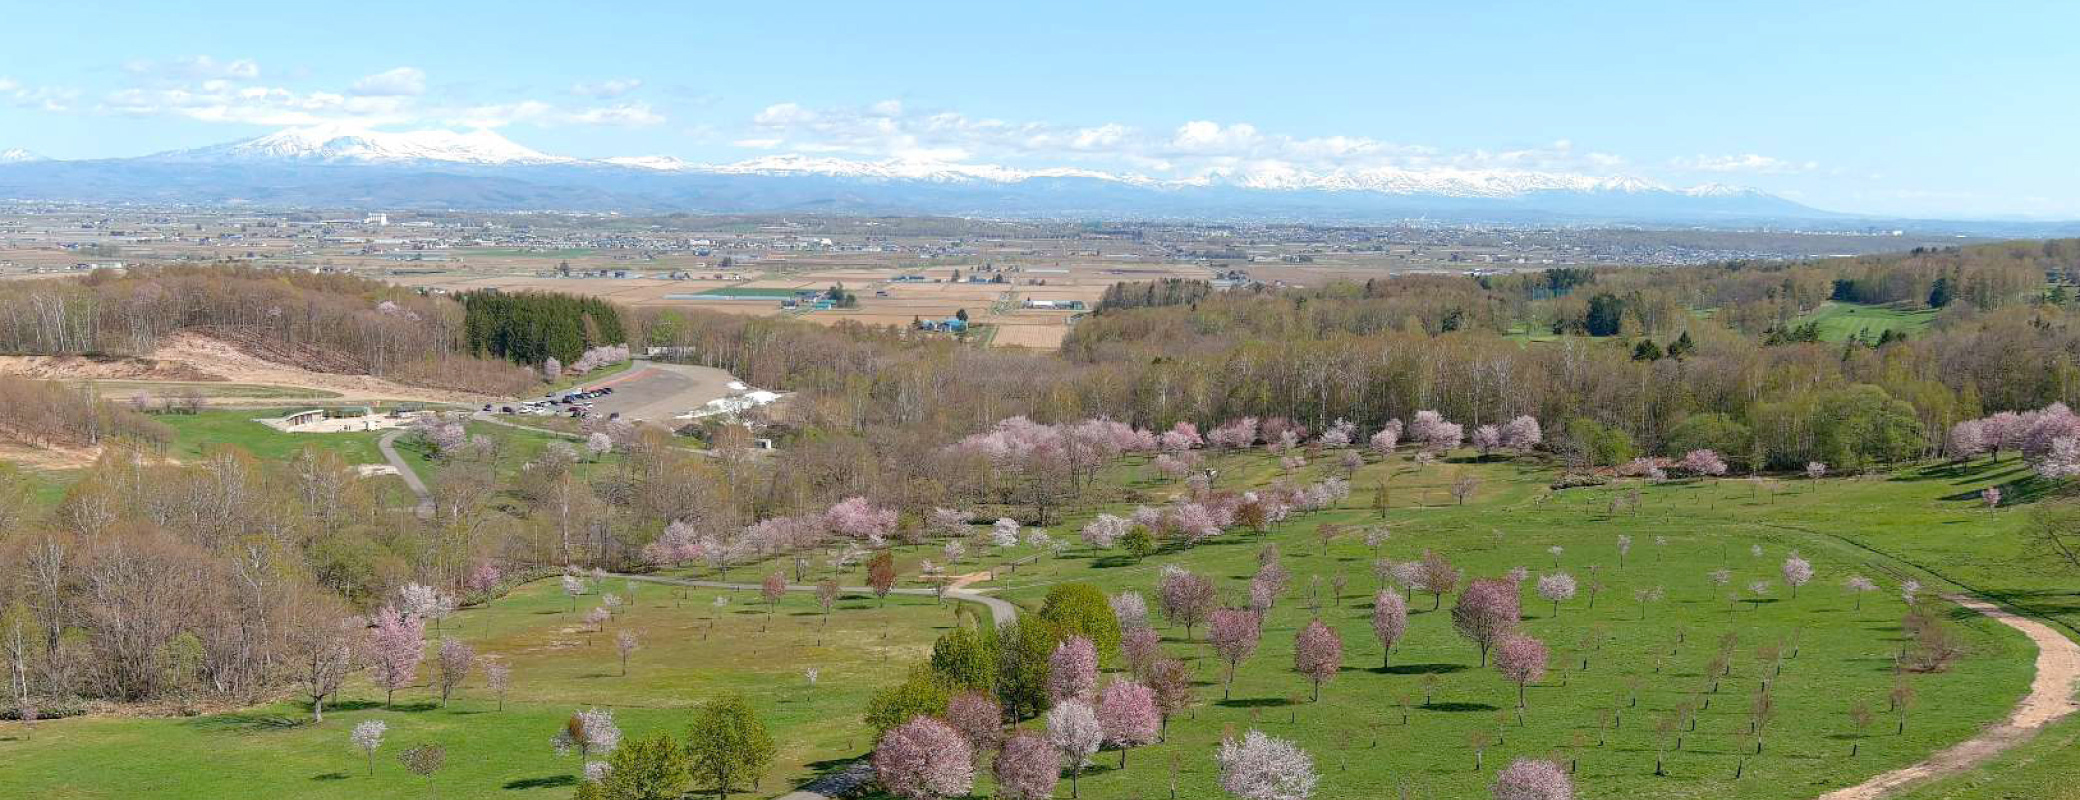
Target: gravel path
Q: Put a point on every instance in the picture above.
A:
(2050, 698)
(388, 444)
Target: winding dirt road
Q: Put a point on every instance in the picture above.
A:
(2050, 698)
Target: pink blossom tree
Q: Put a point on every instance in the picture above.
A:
(1028, 768)
(1130, 609)
(1317, 654)
(1487, 439)
(396, 646)
(1533, 779)
(1522, 660)
(1435, 433)
(1704, 463)
(1339, 434)
(455, 662)
(1127, 713)
(978, 719)
(1389, 622)
(625, 645)
(1181, 437)
(1556, 588)
(1185, 598)
(1486, 611)
(1073, 729)
(1235, 434)
(1104, 530)
(1141, 646)
(1234, 633)
(1990, 497)
(1797, 571)
(1072, 670)
(1260, 767)
(858, 518)
(924, 759)
(1388, 438)
(1435, 577)
(1522, 434)
(772, 589)
(1966, 440)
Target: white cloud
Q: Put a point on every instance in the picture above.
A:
(399, 82)
(607, 89)
(218, 101)
(1751, 163)
(9, 84)
(627, 114)
(194, 68)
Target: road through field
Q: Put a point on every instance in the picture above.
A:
(2050, 698)
(388, 445)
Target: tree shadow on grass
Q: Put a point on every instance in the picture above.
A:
(1420, 669)
(1114, 562)
(549, 782)
(1253, 702)
(247, 722)
(329, 776)
(1458, 707)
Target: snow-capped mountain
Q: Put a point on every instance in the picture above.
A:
(16, 155)
(339, 166)
(334, 144)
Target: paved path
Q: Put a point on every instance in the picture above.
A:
(388, 444)
(2050, 698)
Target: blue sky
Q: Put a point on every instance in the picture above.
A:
(1921, 108)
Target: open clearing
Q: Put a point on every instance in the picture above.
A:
(1833, 654)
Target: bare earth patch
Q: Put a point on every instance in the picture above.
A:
(231, 364)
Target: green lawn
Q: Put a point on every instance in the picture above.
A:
(1921, 523)
(1839, 321)
(194, 434)
(689, 653)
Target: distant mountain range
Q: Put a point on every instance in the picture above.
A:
(339, 167)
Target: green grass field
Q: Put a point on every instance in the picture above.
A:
(690, 652)
(1921, 523)
(1839, 321)
(195, 434)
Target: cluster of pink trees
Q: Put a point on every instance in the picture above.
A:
(2048, 438)
(594, 358)
(1521, 434)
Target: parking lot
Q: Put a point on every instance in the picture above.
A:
(648, 391)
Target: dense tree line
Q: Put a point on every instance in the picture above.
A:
(532, 327)
(327, 322)
(1165, 292)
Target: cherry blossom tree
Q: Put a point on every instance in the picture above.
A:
(425, 602)
(1172, 682)
(1072, 670)
(1234, 633)
(1104, 530)
(1339, 434)
(1859, 586)
(1435, 433)
(1389, 622)
(368, 737)
(1990, 497)
(598, 618)
(1235, 434)
(1522, 434)
(1436, 577)
(588, 732)
(978, 718)
(924, 759)
(1141, 646)
(1127, 714)
(1260, 767)
(625, 644)
(1388, 438)
(396, 646)
(455, 661)
(772, 589)
(572, 588)
(1797, 571)
(1966, 439)
(498, 678)
(1181, 436)
(551, 369)
(1486, 439)
(1486, 612)
(597, 444)
(1556, 588)
(1073, 729)
(1027, 768)
(1130, 609)
(1815, 470)
(1702, 463)
(1185, 598)
(325, 644)
(857, 518)
(1318, 654)
(1533, 779)
(1004, 532)
(1522, 660)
